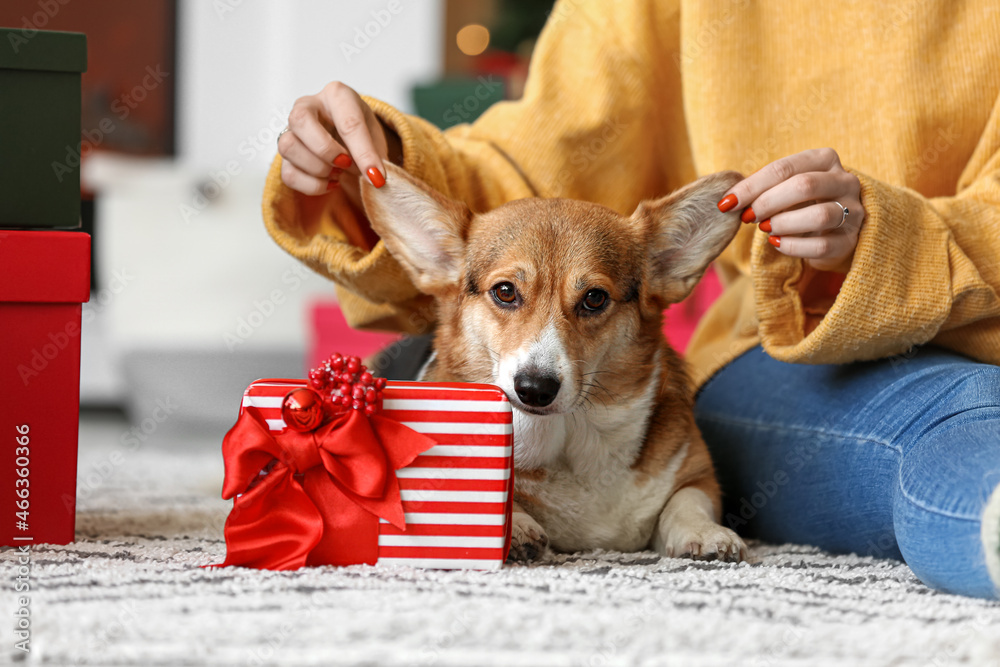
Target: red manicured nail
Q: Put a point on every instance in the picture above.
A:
(728, 203)
(331, 185)
(775, 241)
(748, 215)
(765, 226)
(343, 161)
(376, 177)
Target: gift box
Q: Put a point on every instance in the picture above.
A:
(455, 493)
(40, 123)
(44, 280)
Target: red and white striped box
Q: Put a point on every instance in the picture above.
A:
(457, 495)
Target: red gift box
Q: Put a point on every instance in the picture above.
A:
(456, 496)
(44, 280)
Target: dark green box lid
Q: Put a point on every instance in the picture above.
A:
(40, 86)
(46, 50)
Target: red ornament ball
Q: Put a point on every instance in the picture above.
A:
(302, 410)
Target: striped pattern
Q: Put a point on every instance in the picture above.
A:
(456, 495)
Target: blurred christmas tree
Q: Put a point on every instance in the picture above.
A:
(487, 50)
(518, 22)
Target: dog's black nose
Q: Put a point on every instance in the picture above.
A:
(536, 390)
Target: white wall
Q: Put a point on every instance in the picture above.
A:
(196, 270)
(244, 62)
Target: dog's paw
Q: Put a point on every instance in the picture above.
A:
(707, 541)
(528, 540)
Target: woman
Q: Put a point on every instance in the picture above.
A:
(846, 376)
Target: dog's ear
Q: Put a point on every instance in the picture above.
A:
(423, 229)
(684, 232)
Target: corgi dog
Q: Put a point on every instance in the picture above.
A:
(560, 303)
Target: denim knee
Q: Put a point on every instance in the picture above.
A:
(948, 472)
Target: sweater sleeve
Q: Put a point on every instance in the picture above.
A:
(602, 99)
(925, 269)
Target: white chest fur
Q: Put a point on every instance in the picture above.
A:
(590, 496)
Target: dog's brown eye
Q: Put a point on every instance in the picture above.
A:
(595, 300)
(504, 294)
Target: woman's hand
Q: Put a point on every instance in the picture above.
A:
(332, 137)
(795, 200)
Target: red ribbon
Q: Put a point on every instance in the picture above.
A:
(321, 501)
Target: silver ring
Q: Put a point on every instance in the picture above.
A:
(846, 210)
(281, 133)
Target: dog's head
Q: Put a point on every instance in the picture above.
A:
(558, 302)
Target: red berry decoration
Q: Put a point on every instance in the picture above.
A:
(318, 378)
(302, 409)
(347, 383)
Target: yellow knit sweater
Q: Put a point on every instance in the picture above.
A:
(631, 99)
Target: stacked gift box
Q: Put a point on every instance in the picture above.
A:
(44, 280)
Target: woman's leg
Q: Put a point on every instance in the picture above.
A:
(895, 458)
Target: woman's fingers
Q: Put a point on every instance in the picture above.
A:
(305, 183)
(815, 234)
(826, 252)
(357, 127)
(798, 201)
(331, 134)
(308, 122)
(750, 188)
(799, 189)
(820, 217)
(293, 150)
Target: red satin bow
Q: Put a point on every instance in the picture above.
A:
(321, 501)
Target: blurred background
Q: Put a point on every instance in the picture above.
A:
(182, 104)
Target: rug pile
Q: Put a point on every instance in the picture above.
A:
(131, 591)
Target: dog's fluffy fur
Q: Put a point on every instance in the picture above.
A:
(560, 303)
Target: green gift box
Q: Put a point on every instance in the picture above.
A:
(40, 127)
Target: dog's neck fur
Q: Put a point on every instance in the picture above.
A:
(602, 438)
(590, 441)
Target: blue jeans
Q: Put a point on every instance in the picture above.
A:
(894, 458)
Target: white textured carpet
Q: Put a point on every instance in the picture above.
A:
(130, 592)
